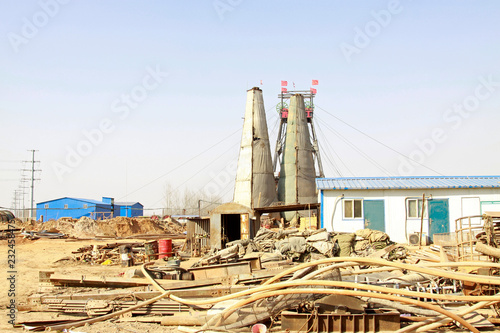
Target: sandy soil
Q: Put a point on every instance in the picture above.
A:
(35, 256)
(39, 255)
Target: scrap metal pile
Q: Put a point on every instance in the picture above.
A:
(111, 253)
(288, 280)
(300, 246)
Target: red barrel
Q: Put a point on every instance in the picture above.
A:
(164, 248)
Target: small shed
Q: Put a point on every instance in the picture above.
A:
(129, 209)
(229, 222)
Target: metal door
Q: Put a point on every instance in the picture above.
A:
(374, 214)
(439, 216)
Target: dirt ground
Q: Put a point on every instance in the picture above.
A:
(39, 255)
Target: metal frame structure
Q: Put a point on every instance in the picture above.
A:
(280, 140)
(469, 228)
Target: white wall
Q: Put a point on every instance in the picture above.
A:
(396, 224)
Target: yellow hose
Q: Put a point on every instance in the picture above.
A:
(253, 298)
(385, 269)
(381, 262)
(337, 284)
(438, 321)
(227, 312)
(263, 290)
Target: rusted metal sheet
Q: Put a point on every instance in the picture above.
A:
(94, 308)
(255, 263)
(198, 235)
(278, 265)
(286, 208)
(244, 226)
(332, 302)
(216, 231)
(201, 273)
(198, 227)
(344, 322)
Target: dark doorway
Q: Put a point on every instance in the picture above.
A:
(230, 228)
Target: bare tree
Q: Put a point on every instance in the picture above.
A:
(171, 200)
(188, 201)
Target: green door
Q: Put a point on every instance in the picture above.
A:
(374, 214)
(439, 216)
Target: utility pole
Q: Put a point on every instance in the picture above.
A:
(16, 202)
(23, 186)
(32, 178)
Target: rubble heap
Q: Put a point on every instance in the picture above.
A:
(121, 226)
(302, 246)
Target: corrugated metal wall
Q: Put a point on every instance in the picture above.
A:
(198, 232)
(76, 208)
(69, 207)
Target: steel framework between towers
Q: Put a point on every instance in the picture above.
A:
(282, 109)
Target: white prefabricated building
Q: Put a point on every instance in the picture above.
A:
(394, 204)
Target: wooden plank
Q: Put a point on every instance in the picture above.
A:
(106, 282)
(206, 272)
(212, 291)
(141, 319)
(96, 281)
(380, 253)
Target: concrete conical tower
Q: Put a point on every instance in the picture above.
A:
(297, 175)
(255, 186)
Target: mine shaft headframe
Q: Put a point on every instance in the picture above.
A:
(282, 109)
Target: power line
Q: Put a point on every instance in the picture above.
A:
(326, 149)
(269, 116)
(335, 152)
(353, 146)
(379, 142)
(197, 173)
(182, 164)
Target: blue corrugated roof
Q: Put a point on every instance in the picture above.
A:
(396, 183)
(129, 203)
(96, 202)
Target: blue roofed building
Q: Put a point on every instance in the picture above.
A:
(402, 206)
(130, 209)
(95, 209)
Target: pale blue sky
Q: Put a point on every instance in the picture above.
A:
(65, 77)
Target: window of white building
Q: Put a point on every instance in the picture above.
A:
(353, 208)
(414, 208)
